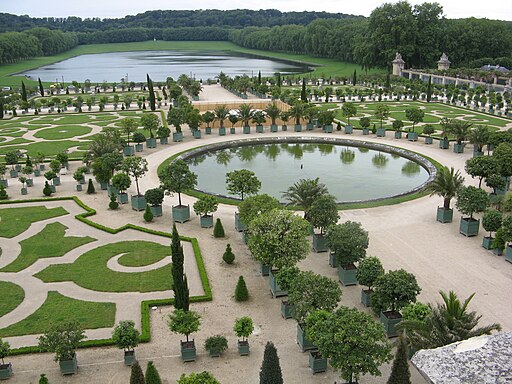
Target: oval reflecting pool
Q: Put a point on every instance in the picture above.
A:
(350, 173)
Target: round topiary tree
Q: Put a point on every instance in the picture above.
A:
(368, 271)
(471, 200)
(126, 337)
(491, 221)
(228, 256)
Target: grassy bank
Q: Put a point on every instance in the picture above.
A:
(325, 67)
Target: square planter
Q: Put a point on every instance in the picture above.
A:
(444, 215)
(208, 130)
(469, 227)
(181, 213)
(497, 251)
(366, 297)
(476, 152)
(444, 144)
(319, 243)
(222, 131)
(42, 167)
(156, 210)
(243, 347)
(286, 310)
(366, 131)
(13, 173)
(188, 350)
(30, 182)
(275, 289)
(56, 181)
(79, 187)
(129, 358)
(390, 320)
(333, 260)
(18, 167)
(412, 136)
(508, 253)
(458, 148)
(206, 221)
(259, 129)
(247, 129)
(129, 150)
(297, 128)
(138, 203)
(177, 136)
(398, 134)
(284, 128)
(68, 367)
(349, 129)
(240, 226)
(273, 128)
(317, 363)
(197, 134)
(232, 131)
(164, 140)
(122, 198)
(4, 182)
(53, 189)
(112, 190)
(37, 172)
(139, 147)
(381, 132)
(5, 371)
(347, 275)
(24, 191)
(310, 126)
(487, 242)
(302, 340)
(264, 269)
(328, 128)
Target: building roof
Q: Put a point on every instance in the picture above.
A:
(498, 68)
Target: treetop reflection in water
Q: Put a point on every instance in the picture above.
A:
(349, 173)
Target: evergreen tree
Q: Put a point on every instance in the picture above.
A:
(228, 255)
(90, 188)
(270, 372)
(259, 77)
(218, 230)
(3, 193)
(429, 89)
(303, 96)
(179, 285)
(148, 215)
(137, 377)
(151, 93)
(400, 371)
(354, 77)
(47, 191)
(41, 89)
(241, 292)
(152, 375)
(113, 201)
(43, 379)
(23, 92)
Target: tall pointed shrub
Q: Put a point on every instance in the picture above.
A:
(179, 282)
(400, 373)
(152, 375)
(241, 292)
(218, 230)
(270, 372)
(137, 377)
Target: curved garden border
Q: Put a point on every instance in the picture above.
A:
(417, 158)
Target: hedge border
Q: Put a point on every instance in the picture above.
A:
(145, 305)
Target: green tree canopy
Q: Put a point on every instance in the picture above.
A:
(348, 241)
(323, 212)
(394, 290)
(176, 177)
(242, 182)
(304, 193)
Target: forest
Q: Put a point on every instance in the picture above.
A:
(420, 33)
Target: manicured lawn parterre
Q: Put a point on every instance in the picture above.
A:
(12, 296)
(50, 242)
(17, 220)
(62, 132)
(58, 309)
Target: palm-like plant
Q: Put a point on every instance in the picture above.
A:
(245, 113)
(221, 113)
(449, 322)
(479, 136)
(459, 129)
(304, 193)
(446, 184)
(273, 111)
(297, 112)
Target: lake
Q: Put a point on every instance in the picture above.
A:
(133, 66)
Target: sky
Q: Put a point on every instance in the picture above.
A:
(453, 9)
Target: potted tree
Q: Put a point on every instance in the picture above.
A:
(215, 345)
(381, 113)
(322, 214)
(460, 129)
(121, 181)
(3, 180)
(128, 125)
(310, 113)
(136, 167)
(245, 114)
(428, 130)
(205, 205)
(446, 184)
(479, 136)
(78, 175)
(11, 158)
(365, 125)
(208, 117)
(349, 242)
(414, 115)
(273, 111)
(259, 119)
(184, 323)
(233, 119)
(348, 110)
(126, 337)
(498, 244)
(27, 171)
(39, 160)
(194, 119)
(150, 123)
(176, 117)
(491, 221)
(50, 176)
(221, 113)
(243, 328)
(285, 117)
(242, 182)
(284, 278)
(63, 339)
(139, 138)
(506, 237)
(163, 134)
(297, 112)
(368, 271)
(445, 123)
(471, 200)
(55, 166)
(5, 369)
(393, 291)
(177, 178)
(397, 126)
(325, 118)
(154, 197)
(23, 180)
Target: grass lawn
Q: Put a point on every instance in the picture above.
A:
(12, 296)
(90, 269)
(17, 220)
(64, 119)
(58, 309)
(62, 132)
(50, 148)
(50, 242)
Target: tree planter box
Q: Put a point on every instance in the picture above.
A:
(286, 310)
(30, 182)
(333, 260)
(68, 367)
(429, 140)
(328, 128)
(349, 129)
(366, 131)
(284, 128)
(302, 340)
(13, 173)
(4, 182)
(390, 320)
(412, 136)
(398, 134)
(79, 187)
(381, 132)
(156, 210)
(243, 347)
(247, 129)
(188, 350)
(181, 213)
(264, 269)
(24, 191)
(222, 131)
(164, 140)
(347, 275)
(215, 352)
(476, 152)
(259, 129)
(37, 172)
(508, 253)
(497, 252)
(232, 131)
(129, 358)
(56, 181)
(112, 190)
(53, 189)
(444, 144)
(206, 221)
(129, 150)
(139, 147)
(297, 128)
(208, 130)
(458, 148)
(319, 243)
(42, 167)
(239, 224)
(197, 134)
(487, 242)
(469, 227)
(273, 128)
(5, 371)
(122, 198)
(138, 203)
(444, 215)
(151, 143)
(18, 167)
(317, 363)
(275, 289)
(177, 136)
(366, 297)
(310, 126)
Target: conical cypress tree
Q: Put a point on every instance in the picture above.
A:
(241, 292)
(429, 89)
(23, 92)
(270, 372)
(400, 371)
(41, 89)
(90, 188)
(179, 285)
(151, 93)
(303, 96)
(218, 230)
(148, 215)
(137, 377)
(152, 375)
